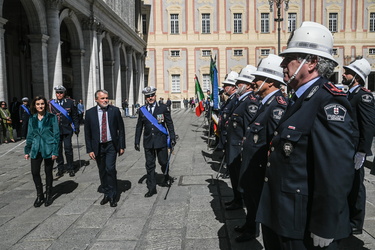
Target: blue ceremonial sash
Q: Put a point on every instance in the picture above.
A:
(154, 122)
(64, 112)
(26, 109)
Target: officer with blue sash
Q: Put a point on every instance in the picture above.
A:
(156, 122)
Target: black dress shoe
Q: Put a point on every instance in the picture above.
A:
(356, 230)
(104, 200)
(72, 173)
(166, 182)
(240, 229)
(234, 206)
(60, 173)
(245, 237)
(113, 202)
(151, 193)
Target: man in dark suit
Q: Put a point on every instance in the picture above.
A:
(310, 166)
(267, 83)
(244, 110)
(105, 138)
(154, 140)
(362, 102)
(68, 123)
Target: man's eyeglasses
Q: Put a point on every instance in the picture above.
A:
(59, 92)
(152, 95)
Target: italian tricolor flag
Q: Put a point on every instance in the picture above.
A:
(199, 93)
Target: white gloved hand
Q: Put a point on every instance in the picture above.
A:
(359, 159)
(319, 241)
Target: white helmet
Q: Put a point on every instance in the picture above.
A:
(361, 67)
(230, 79)
(311, 38)
(270, 67)
(246, 74)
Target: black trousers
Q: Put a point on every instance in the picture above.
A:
(151, 153)
(234, 174)
(106, 161)
(68, 149)
(272, 241)
(357, 200)
(35, 170)
(25, 123)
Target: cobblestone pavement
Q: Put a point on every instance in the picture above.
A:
(190, 217)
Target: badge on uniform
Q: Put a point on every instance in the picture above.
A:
(367, 98)
(160, 118)
(256, 137)
(288, 148)
(253, 108)
(277, 114)
(335, 112)
(234, 124)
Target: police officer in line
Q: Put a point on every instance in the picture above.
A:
(24, 116)
(267, 83)
(151, 116)
(245, 108)
(230, 89)
(310, 166)
(67, 115)
(362, 102)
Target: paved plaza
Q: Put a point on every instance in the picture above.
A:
(191, 216)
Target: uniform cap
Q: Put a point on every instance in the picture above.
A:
(313, 39)
(361, 67)
(149, 90)
(59, 88)
(230, 78)
(270, 67)
(25, 99)
(246, 74)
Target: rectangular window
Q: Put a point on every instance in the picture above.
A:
(237, 52)
(144, 24)
(206, 82)
(292, 21)
(206, 52)
(174, 24)
(175, 53)
(264, 23)
(237, 23)
(332, 22)
(371, 51)
(372, 22)
(206, 23)
(176, 84)
(264, 52)
(334, 52)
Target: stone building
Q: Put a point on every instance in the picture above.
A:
(84, 45)
(183, 35)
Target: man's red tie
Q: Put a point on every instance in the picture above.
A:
(104, 126)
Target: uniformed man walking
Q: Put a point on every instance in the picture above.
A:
(362, 102)
(267, 83)
(245, 109)
(310, 166)
(156, 122)
(67, 116)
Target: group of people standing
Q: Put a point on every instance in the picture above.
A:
(297, 164)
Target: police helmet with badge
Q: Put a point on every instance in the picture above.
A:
(361, 68)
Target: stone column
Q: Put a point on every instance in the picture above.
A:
(39, 65)
(91, 70)
(117, 72)
(129, 55)
(140, 76)
(3, 70)
(100, 72)
(54, 45)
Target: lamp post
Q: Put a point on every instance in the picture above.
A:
(278, 19)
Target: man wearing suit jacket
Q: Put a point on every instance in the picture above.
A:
(105, 138)
(310, 166)
(362, 102)
(154, 140)
(258, 135)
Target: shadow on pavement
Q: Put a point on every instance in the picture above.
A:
(65, 187)
(352, 243)
(122, 187)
